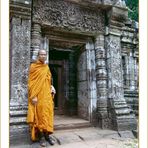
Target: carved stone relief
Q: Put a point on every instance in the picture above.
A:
(129, 44)
(115, 80)
(69, 16)
(20, 60)
(117, 104)
(101, 80)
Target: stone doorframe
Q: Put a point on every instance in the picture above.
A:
(38, 42)
(95, 72)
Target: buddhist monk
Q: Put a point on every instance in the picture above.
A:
(40, 101)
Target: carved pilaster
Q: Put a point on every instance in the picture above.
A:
(20, 26)
(35, 40)
(126, 77)
(121, 117)
(136, 73)
(129, 52)
(132, 71)
(101, 80)
(19, 54)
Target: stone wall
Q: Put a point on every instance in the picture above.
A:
(20, 60)
(130, 62)
(121, 116)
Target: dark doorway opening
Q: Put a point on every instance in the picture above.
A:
(57, 64)
(63, 65)
(54, 71)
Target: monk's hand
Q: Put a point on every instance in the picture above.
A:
(53, 91)
(34, 101)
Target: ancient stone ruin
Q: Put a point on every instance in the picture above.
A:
(93, 55)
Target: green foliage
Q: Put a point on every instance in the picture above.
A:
(133, 9)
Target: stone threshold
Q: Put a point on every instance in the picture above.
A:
(69, 122)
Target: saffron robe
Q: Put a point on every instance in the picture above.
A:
(40, 116)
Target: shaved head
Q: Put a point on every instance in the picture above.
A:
(42, 55)
(42, 51)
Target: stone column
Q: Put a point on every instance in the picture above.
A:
(35, 40)
(91, 81)
(101, 80)
(82, 85)
(136, 71)
(131, 71)
(72, 102)
(120, 113)
(127, 72)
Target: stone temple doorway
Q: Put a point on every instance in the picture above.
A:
(71, 58)
(63, 65)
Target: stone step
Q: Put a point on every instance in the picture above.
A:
(72, 126)
(23, 126)
(59, 123)
(20, 130)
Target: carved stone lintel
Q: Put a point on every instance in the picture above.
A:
(68, 16)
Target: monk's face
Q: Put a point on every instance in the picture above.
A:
(42, 56)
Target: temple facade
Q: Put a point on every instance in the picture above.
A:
(93, 56)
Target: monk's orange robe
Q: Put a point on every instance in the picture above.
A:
(40, 116)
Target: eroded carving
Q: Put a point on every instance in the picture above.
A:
(20, 60)
(68, 16)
